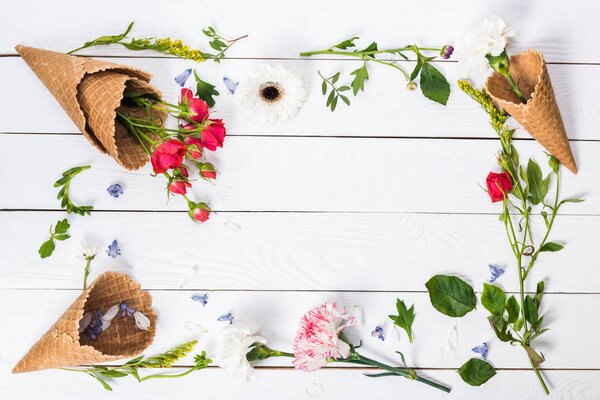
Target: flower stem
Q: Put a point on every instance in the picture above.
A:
(167, 375)
(86, 272)
(537, 372)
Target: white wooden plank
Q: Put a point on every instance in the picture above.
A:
(26, 314)
(386, 108)
(292, 251)
(324, 384)
(283, 174)
(277, 29)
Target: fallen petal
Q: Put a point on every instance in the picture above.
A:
(141, 321)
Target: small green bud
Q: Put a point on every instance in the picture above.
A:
(411, 85)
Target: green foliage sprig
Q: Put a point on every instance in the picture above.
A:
(335, 93)
(63, 193)
(405, 317)
(166, 45)
(164, 360)
(433, 84)
(60, 233)
(205, 90)
(519, 321)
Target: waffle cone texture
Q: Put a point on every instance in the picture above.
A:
(540, 116)
(63, 346)
(90, 91)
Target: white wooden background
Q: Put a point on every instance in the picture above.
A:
(359, 206)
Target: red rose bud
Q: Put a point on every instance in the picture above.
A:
(213, 135)
(184, 172)
(498, 184)
(200, 214)
(198, 107)
(179, 187)
(168, 155)
(208, 171)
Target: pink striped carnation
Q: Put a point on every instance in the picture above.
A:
(317, 339)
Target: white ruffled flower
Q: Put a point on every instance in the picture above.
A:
(89, 250)
(234, 343)
(271, 93)
(490, 37)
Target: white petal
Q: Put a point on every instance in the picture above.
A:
(84, 322)
(141, 321)
(105, 325)
(111, 313)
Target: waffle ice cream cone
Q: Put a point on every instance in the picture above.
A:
(64, 346)
(90, 91)
(540, 116)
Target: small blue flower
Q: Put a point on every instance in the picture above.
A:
(126, 310)
(496, 272)
(378, 333)
(115, 190)
(226, 317)
(114, 250)
(95, 327)
(483, 350)
(202, 298)
(183, 77)
(231, 85)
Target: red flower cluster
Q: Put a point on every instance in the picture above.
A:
(197, 132)
(498, 185)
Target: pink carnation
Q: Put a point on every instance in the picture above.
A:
(317, 339)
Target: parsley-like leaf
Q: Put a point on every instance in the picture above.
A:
(346, 43)
(405, 317)
(361, 75)
(63, 193)
(59, 233)
(205, 91)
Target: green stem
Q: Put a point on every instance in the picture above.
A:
(86, 272)
(515, 88)
(537, 372)
(168, 376)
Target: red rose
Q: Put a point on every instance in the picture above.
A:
(179, 187)
(208, 171)
(498, 184)
(194, 145)
(200, 214)
(213, 135)
(168, 155)
(196, 106)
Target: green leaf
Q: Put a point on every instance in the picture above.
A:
(405, 317)
(330, 98)
(102, 381)
(493, 299)
(345, 99)
(205, 91)
(545, 216)
(538, 187)
(360, 75)
(499, 324)
(346, 43)
(334, 103)
(434, 85)
(335, 77)
(537, 300)
(553, 163)
(62, 226)
(415, 72)
(531, 312)
(371, 47)
(513, 309)
(570, 201)
(476, 372)
(343, 88)
(47, 248)
(134, 360)
(451, 295)
(538, 324)
(538, 333)
(324, 87)
(519, 324)
(551, 246)
(113, 374)
(62, 236)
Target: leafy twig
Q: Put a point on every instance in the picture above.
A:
(60, 233)
(405, 317)
(167, 46)
(335, 92)
(433, 83)
(63, 193)
(164, 360)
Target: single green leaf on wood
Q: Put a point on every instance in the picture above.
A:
(571, 201)
(538, 294)
(513, 308)
(415, 71)
(102, 381)
(551, 246)
(493, 299)
(62, 226)
(371, 47)
(360, 76)
(405, 317)
(519, 324)
(538, 324)
(553, 163)
(531, 312)
(451, 295)
(499, 325)
(47, 248)
(538, 333)
(324, 87)
(205, 91)
(476, 372)
(62, 236)
(538, 186)
(335, 77)
(434, 85)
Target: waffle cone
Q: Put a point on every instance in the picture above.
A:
(63, 346)
(89, 91)
(540, 116)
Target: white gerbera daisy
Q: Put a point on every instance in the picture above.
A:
(271, 93)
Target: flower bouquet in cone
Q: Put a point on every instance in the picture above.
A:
(519, 84)
(122, 115)
(67, 343)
